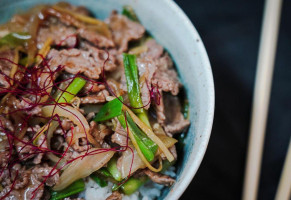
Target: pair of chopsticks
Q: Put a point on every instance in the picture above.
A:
(265, 66)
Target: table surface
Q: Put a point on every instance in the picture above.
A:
(230, 31)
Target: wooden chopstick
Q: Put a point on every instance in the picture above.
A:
(284, 188)
(265, 66)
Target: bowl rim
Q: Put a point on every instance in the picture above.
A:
(192, 169)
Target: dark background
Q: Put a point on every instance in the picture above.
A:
(230, 30)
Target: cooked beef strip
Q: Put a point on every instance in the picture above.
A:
(165, 77)
(120, 135)
(101, 56)
(94, 99)
(146, 70)
(159, 178)
(5, 68)
(27, 181)
(160, 110)
(92, 87)
(95, 38)
(167, 80)
(119, 139)
(40, 172)
(29, 107)
(99, 131)
(13, 195)
(6, 124)
(24, 151)
(61, 35)
(41, 142)
(115, 196)
(79, 61)
(154, 50)
(175, 121)
(124, 30)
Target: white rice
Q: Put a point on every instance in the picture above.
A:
(149, 191)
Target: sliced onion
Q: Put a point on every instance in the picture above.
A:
(72, 114)
(82, 168)
(124, 162)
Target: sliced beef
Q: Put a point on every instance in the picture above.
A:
(146, 70)
(4, 158)
(79, 61)
(60, 34)
(5, 69)
(124, 30)
(29, 107)
(41, 172)
(24, 150)
(160, 110)
(31, 180)
(115, 196)
(10, 195)
(80, 142)
(166, 77)
(42, 143)
(159, 178)
(92, 87)
(154, 50)
(101, 56)
(5, 124)
(175, 121)
(167, 80)
(99, 132)
(94, 99)
(120, 135)
(95, 38)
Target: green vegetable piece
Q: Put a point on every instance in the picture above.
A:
(104, 172)
(146, 145)
(74, 188)
(133, 184)
(112, 168)
(110, 110)
(129, 12)
(131, 74)
(72, 90)
(15, 39)
(101, 182)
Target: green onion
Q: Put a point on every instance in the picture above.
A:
(110, 110)
(131, 74)
(71, 91)
(146, 145)
(131, 185)
(129, 12)
(104, 172)
(112, 168)
(15, 39)
(101, 182)
(74, 188)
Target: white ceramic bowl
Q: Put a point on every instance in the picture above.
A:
(172, 29)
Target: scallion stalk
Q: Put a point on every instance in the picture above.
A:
(131, 74)
(74, 188)
(72, 90)
(146, 145)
